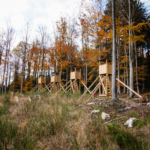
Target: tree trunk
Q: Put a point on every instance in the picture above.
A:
(114, 93)
(124, 88)
(131, 55)
(86, 67)
(118, 58)
(6, 65)
(66, 74)
(7, 72)
(4, 71)
(127, 68)
(9, 75)
(29, 70)
(86, 73)
(143, 84)
(15, 77)
(21, 80)
(137, 80)
(1, 52)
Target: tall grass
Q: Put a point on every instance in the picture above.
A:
(56, 122)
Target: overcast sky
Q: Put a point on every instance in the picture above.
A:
(38, 12)
(43, 12)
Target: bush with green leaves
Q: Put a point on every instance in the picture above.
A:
(124, 139)
(133, 114)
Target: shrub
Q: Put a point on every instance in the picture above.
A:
(124, 139)
(141, 123)
(133, 114)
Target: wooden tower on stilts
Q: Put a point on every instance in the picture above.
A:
(104, 82)
(55, 82)
(54, 85)
(74, 84)
(105, 72)
(41, 84)
(75, 81)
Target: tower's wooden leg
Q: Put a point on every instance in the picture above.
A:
(109, 85)
(99, 88)
(106, 85)
(72, 86)
(80, 86)
(77, 88)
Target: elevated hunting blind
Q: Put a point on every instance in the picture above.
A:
(54, 85)
(55, 81)
(105, 67)
(41, 82)
(74, 84)
(103, 81)
(105, 71)
(75, 77)
(55, 77)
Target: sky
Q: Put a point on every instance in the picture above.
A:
(37, 12)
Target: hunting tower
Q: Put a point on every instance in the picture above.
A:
(55, 81)
(75, 80)
(41, 82)
(105, 72)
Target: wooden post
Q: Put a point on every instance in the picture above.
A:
(75, 73)
(129, 88)
(106, 78)
(77, 88)
(63, 87)
(96, 88)
(88, 88)
(99, 88)
(109, 85)
(103, 84)
(80, 82)
(72, 87)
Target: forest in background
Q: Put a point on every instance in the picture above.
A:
(22, 65)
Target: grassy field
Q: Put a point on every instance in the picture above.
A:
(56, 122)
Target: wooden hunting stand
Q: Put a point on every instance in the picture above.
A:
(55, 82)
(103, 81)
(75, 80)
(105, 71)
(104, 84)
(74, 84)
(41, 84)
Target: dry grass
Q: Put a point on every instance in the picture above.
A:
(54, 122)
(1, 104)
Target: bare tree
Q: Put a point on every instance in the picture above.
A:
(25, 35)
(9, 37)
(118, 62)
(16, 65)
(2, 44)
(43, 42)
